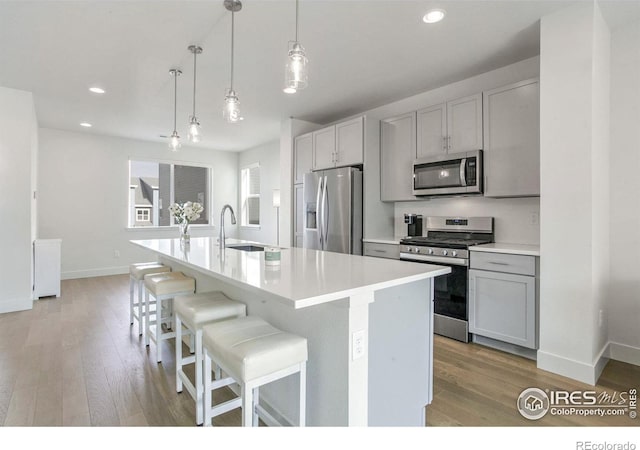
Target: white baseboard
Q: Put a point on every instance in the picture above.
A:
(13, 305)
(584, 372)
(73, 274)
(624, 353)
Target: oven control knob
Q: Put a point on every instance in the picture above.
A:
(409, 249)
(445, 253)
(417, 250)
(431, 251)
(454, 253)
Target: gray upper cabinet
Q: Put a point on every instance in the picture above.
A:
(324, 148)
(397, 153)
(303, 156)
(339, 145)
(349, 142)
(512, 140)
(432, 130)
(464, 124)
(455, 126)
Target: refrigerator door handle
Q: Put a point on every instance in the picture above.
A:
(319, 213)
(325, 214)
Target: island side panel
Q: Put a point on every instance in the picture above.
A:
(401, 354)
(326, 328)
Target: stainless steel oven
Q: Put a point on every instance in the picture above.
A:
(450, 174)
(446, 243)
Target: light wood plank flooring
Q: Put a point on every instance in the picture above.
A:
(75, 361)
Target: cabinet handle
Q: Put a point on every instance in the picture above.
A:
(448, 142)
(379, 251)
(498, 263)
(444, 143)
(335, 155)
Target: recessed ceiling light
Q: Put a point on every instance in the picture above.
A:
(86, 125)
(434, 15)
(97, 90)
(289, 90)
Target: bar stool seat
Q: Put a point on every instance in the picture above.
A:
(194, 311)
(137, 273)
(163, 287)
(253, 353)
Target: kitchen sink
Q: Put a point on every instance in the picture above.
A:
(247, 248)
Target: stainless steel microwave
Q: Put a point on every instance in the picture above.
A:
(450, 174)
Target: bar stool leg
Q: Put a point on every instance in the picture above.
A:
(199, 373)
(303, 394)
(256, 399)
(247, 402)
(207, 389)
(179, 354)
(158, 330)
(141, 306)
(147, 317)
(131, 283)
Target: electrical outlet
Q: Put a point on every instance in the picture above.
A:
(116, 253)
(358, 343)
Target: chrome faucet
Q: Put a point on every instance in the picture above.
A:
(233, 222)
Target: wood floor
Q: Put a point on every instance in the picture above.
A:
(75, 361)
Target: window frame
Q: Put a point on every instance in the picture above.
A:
(172, 164)
(244, 185)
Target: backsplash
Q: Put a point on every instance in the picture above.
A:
(516, 220)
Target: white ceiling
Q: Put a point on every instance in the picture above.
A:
(362, 54)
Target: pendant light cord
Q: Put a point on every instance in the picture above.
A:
(232, 33)
(194, 81)
(296, 20)
(175, 100)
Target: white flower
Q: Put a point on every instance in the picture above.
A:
(187, 212)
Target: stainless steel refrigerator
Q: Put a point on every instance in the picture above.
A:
(332, 210)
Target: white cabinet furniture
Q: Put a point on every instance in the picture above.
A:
(339, 145)
(391, 251)
(397, 153)
(454, 126)
(303, 156)
(298, 231)
(46, 254)
(512, 140)
(503, 298)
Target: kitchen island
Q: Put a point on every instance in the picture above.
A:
(368, 322)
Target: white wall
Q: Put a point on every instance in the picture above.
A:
(516, 220)
(624, 296)
(18, 146)
(83, 196)
(268, 157)
(572, 145)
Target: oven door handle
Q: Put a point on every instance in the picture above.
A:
(434, 259)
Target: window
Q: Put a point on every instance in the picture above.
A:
(154, 187)
(250, 196)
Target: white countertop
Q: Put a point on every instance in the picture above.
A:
(384, 240)
(514, 249)
(304, 277)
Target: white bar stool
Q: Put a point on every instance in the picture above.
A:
(252, 353)
(194, 311)
(136, 282)
(163, 287)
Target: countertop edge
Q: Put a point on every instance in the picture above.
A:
(512, 249)
(390, 241)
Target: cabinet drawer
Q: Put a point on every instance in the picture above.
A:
(501, 262)
(382, 250)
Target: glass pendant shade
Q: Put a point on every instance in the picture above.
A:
(174, 142)
(194, 130)
(296, 72)
(231, 112)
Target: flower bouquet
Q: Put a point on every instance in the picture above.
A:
(184, 214)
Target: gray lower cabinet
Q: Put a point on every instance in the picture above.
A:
(503, 306)
(391, 251)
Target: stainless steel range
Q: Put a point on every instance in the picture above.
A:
(446, 243)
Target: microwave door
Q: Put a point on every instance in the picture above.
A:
(446, 174)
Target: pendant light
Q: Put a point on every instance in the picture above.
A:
(231, 111)
(194, 125)
(296, 72)
(174, 139)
